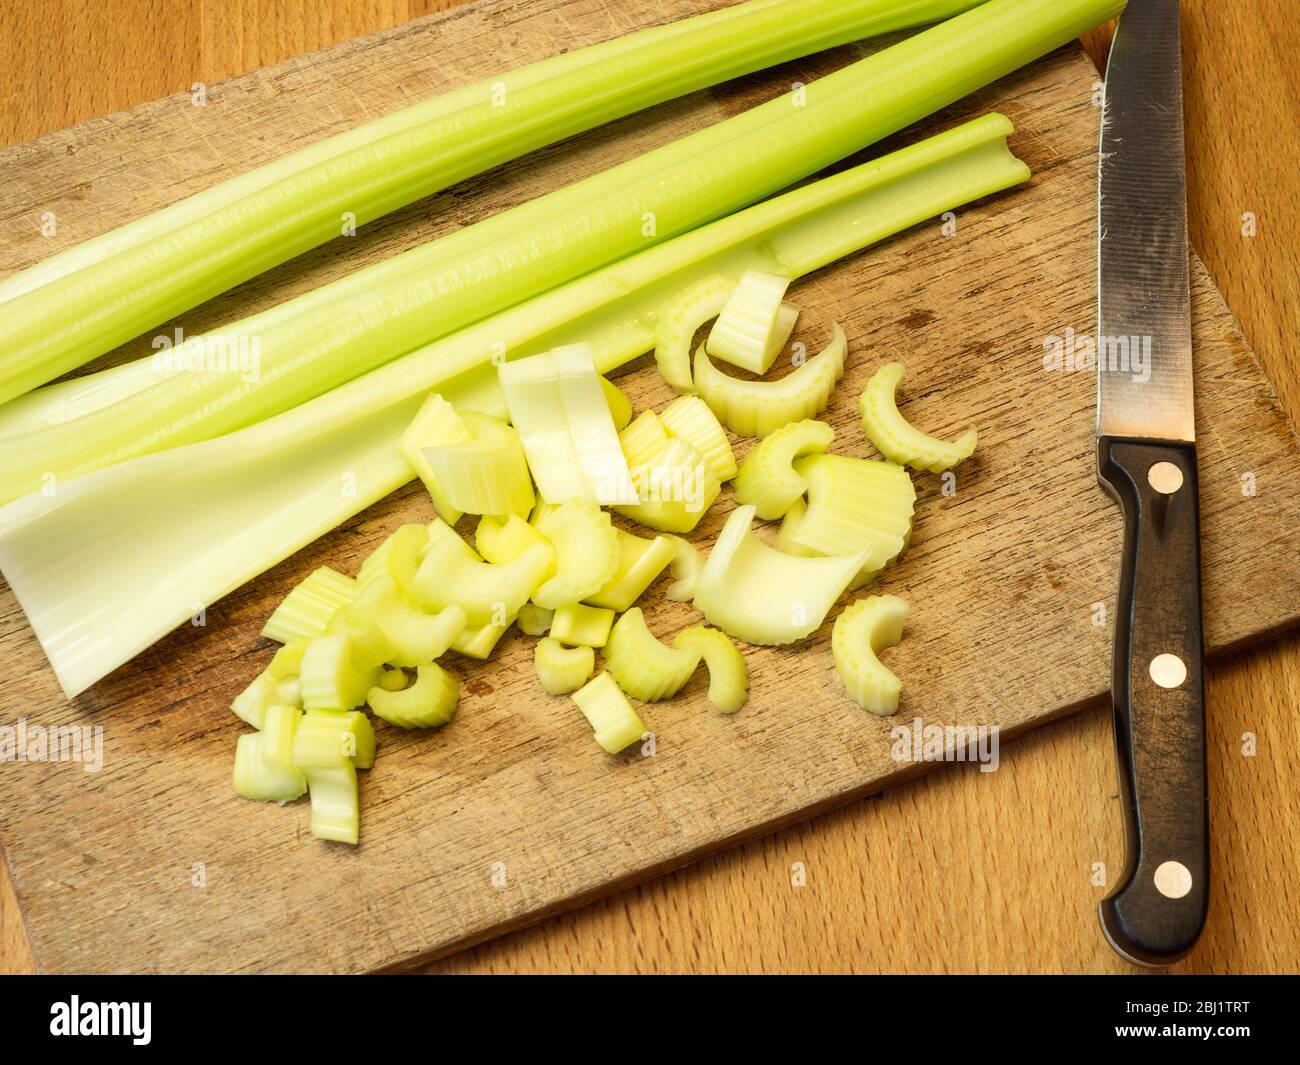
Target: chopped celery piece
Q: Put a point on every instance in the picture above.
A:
(534, 620)
(620, 406)
(678, 322)
(767, 477)
(644, 667)
(288, 660)
(306, 611)
(685, 568)
(335, 803)
(640, 562)
(233, 507)
(392, 680)
(327, 739)
(479, 641)
(486, 474)
(278, 731)
(896, 438)
(428, 703)
(676, 489)
(504, 539)
(256, 778)
(748, 332)
(251, 704)
(757, 594)
(785, 541)
(562, 669)
(757, 408)
(862, 631)
(582, 625)
(289, 691)
(616, 724)
(728, 674)
(413, 636)
(452, 574)
(689, 418)
(644, 440)
(397, 557)
(371, 646)
(436, 425)
(330, 680)
(587, 553)
(855, 505)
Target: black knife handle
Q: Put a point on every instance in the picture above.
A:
(1157, 909)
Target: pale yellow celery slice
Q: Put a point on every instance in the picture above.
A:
(728, 674)
(644, 667)
(255, 778)
(643, 440)
(789, 528)
(586, 553)
(531, 390)
(436, 425)
(676, 488)
(327, 739)
(335, 803)
(278, 731)
(486, 474)
(591, 424)
(757, 408)
(581, 625)
(855, 505)
(504, 539)
(287, 661)
(452, 574)
(640, 562)
(757, 594)
(480, 641)
(620, 406)
(289, 691)
(767, 477)
(562, 669)
(330, 680)
(678, 322)
(685, 568)
(307, 610)
(747, 332)
(428, 703)
(896, 438)
(251, 704)
(397, 557)
(689, 418)
(392, 680)
(534, 620)
(371, 645)
(414, 636)
(615, 722)
(862, 631)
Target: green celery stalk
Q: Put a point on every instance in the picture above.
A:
(91, 298)
(117, 558)
(394, 307)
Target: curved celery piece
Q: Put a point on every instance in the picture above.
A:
(620, 405)
(397, 557)
(327, 739)
(391, 680)
(789, 528)
(757, 594)
(452, 574)
(582, 625)
(643, 440)
(640, 562)
(616, 724)
(587, 553)
(480, 641)
(335, 802)
(562, 669)
(855, 505)
(644, 667)
(289, 691)
(755, 323)
(862, 631)
(330, 678)
(256, 778)
(689, 418)
(768, 479)
(251, 704)
(428, 703)
(278, 730)
(757, 408)
(371, 644)
(486, 474)
(728, 674)
(677, 325)
(501, 540)
(436, 424)
(287, 661)
(896, 438)
(306, 611)
(413, 636)
(534, 620)
(685, 568)
(676, 489)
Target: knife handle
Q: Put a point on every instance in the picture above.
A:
(1157, 910)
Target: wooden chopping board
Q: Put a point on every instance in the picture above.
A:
(511, 812)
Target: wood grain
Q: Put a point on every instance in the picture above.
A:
(960, 879)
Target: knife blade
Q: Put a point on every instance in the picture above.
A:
(1146, 452)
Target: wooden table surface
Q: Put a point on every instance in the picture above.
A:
(962, 871)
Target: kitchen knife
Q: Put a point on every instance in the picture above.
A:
(1146, 450)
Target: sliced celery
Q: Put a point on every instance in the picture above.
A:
(306, 611)
(643, 440)
(436, 424)
(413, 636)
(562, 669)
(392, 680)
(479, 641)
(689, 418)
(587, 553)
(685, 568)
(678, 322)
(676, 488)
(862, 631)
(335, 803)
(428, 703)
(371, 646)
(504, 539)
(452, 574)
(278, 731)
(644, 667)
(581, 625)
(486, 474)
(728, 674)
(397, 557)
(751, 330)
(322, 740)
(640, 562)
(251, 704)
(616, 724)
(896, 438)
(287, 661)
(534, 620)
(255, 778)
(767, 477)
(620, 405)
(330, 679)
